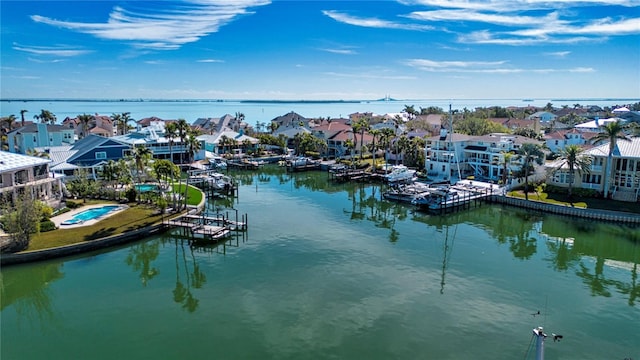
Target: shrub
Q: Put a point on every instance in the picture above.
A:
(47, 225)
(73, 204)
(131, 194)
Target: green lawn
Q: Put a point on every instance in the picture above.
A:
(576, 201)
(135, 217)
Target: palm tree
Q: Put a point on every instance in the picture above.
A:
(571, 156)
(125, 118)
(193, 146)
(612, 132)
(402, 145)
(46, 117)
(361, 125)
(9, 121)
(385, 141)
(375, 133)
(507, 158)
(141, 156)
(22, 116)
(183, 129)
(110, 172)
(116, 119)
(84, 121)
(171, 132)
(530, 153)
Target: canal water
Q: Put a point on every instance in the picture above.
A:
(331, 271)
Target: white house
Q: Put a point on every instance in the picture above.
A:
(20, 173)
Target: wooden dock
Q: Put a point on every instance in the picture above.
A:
(208, 228)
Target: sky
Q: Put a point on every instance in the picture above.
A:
(320, 50)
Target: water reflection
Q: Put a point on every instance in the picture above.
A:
(27, 290)
(141, 256)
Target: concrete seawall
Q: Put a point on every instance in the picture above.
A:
(46, 254)
(602, 215)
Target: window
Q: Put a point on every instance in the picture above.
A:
(101, 155)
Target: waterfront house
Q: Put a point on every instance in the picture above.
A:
(152, 137)
(290, 120)
(460, 156)
(217, 125)
(89, 153)
(625, 180)
(226, 141)
(558, 140)
(22, 173)
(101, 125)
(594, 125)
(35, 135)
(328, 131)
(543, 116)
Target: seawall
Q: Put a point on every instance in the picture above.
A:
(595, 214)
(91, 245)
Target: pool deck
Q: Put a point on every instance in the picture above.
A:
(58, 220)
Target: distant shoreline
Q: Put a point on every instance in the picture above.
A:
(302, 101)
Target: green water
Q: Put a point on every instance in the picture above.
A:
(330, 271)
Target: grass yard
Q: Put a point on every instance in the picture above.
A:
(576, 201)
(135, 217)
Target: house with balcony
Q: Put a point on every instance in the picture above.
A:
(558, 140)
(89, 153)
(36, 135)
(452, 157)
(20, 174)
(625, 171)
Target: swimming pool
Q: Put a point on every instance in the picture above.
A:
(146, 187)
(90, 214)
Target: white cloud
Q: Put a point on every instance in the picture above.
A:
(372, 22)
(559, 54)
(161, 29)
(466, 15)
(516, 5)
(341, 51)
(211, 61)
(484, 67)
(63, 51)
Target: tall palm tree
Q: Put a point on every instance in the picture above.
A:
(45, 117)
(571, 156)
(84, 121)
(612, 132)
(529, 153)
(116, 119)
(183, 129)
(402, 145)
(171, 132)
(125, 118)
(9, 121)
(193, 146)
(22, 116)
(141, 156)
(375, 133)
(361, 125)
(110, 172)
(385, 141)
(507, 158)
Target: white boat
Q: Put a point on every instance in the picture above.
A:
(400, 173)
(217, 163)
(406, 193)
(441, 197)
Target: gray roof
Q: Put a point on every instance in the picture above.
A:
(10, 161)
(623, 149)
(33, 127)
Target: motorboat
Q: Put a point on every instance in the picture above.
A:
(406, 193)
(400, 173)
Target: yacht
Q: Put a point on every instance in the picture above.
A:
(400, 173)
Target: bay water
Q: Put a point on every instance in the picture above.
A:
(265, 111)
(332, 271)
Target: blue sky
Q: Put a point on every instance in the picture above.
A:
(308, 50)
